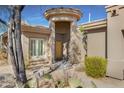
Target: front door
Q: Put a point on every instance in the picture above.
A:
(58, 50)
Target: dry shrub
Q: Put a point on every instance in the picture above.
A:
(3, 56)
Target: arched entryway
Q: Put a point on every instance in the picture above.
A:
(62, 21)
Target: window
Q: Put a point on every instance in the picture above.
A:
(36, 47)
(114, 13)
(122, 32)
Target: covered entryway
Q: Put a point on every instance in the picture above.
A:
(62, 22)
(62, 36)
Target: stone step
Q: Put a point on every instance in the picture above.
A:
(34, 67)
(37, 64)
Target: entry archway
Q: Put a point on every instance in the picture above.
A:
(62, 21)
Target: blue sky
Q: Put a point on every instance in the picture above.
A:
(33, 14)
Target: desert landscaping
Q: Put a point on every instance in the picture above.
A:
(64, 54)
(71, 77)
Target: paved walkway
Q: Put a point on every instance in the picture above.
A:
(106, 82)
(109, 82)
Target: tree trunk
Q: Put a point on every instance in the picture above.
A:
(18, 44)
(10, 44)
(15, 46)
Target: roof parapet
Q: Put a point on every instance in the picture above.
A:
(95, 24)
(62, 11)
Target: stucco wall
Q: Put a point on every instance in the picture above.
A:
(115, 43)
(96, 42)
(25, 44)
(25, 47)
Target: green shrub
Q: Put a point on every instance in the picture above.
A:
(81, 28)
(95, 66)
(47, 76)
(75, 83)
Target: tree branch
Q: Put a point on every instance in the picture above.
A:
(22, 7)
(3, 22)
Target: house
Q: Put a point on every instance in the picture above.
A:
(105, 38)
(63, 25)
(3, 41)
(96, 37)
(34, 43)
(0, 41)
(115, 41)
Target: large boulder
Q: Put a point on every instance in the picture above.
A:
(76, 49)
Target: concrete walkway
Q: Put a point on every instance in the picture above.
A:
(109, 82)
(106, 82)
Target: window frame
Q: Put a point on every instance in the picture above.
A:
(114, 13)
(30, 49)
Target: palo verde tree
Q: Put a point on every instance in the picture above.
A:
(14, 43)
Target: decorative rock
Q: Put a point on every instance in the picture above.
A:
(2, 78)
(33, 82)
(7, 81)
(58, 75)
(76, 50)
(74, 83)
(45, 83)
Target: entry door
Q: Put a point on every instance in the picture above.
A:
(58, 50)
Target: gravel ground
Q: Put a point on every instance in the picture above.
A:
(6, 77)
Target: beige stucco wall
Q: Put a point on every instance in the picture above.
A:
(25, 44)
(25, 47)
(96, 44)
(115, 44)
(25, 37)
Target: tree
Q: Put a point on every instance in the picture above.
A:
(15, 46)
(14, 43)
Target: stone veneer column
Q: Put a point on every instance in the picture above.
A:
(71, 45)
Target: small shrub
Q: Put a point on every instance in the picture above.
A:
(47, 76)
(3, 57)
(3, 54)
(75, 83)
(95, 66)
(81, 28)
(60, 84)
